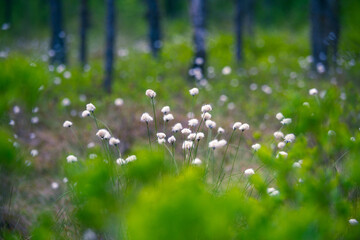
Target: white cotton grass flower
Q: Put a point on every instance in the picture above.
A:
(66, 102)
(236, 125)
(114, 141)
(256, 147)
(67, 124)
(206, 108)
(279, 116)
(165, 110)
(161, 140)
(35, 120)
(150, 93)
(12, 122)
(249, 172)
(221, 143)
(168, 117)
(313, 91)
(119, 102)
(85, 114)
(278, 135)
(161, 135)
(187, 145)
(220, 130)
(196, 161)
(281, 145)
(244, 127)
(289, 138)
(130, 158)
(65, 180)
(190, 115)
(120, 161)
(213, 144)
(92, 155)
(297, 164)
(210, 124)
(194, 91)
(71, 158)
(177, 127)
(34, 152)
(16, 109)
(206, 116)
(193, 122)
(274, 193)
(353, 221)
(54, 185)
(90, 107)
(283, 154)
(186, 131)
(270, 190)
(199, 136)
(286, 121)
(191, 136)
(145, 117)
(91, 145)
(103, 134)
(171, 140)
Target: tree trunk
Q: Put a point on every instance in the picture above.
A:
(239, 27)
(334, 28)
(84, 24)
(153, 16)
(7, 11)
(57, 44)
(197, 13)
(172, 8)
(110, 38)
(250, 12)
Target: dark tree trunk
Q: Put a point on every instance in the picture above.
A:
(57, 44)
(334, 28)
(110, 38)
(197, 13)
(239, 28)
(249, 13)
(153, 16)
(172, 8)
(325, 29)
(84, 24)
(7, 11)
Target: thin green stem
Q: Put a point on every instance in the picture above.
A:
(153, 107)
(233, 163)
(148, 132)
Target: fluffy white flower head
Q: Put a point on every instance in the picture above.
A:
(187, 145)
(120, 161)
(119, 102)
(130, 158)
(353, 221)
(193, 122)
(67, 124)
(289, 138)
(177, 127)
(206, 108)
(313, 91)
(90, 107)
(171, 140)
(161, 140)
(168, 117)
(71, 158)
(161, 135)
(249, 172)
(256, 146)
(283, 154)
(145, 117)
(186, 131)
(196, 161)
(150, 93)
(278, 135)
(286, 121)
(279, 116)
(165, 110)
(236, 125)
(194, 91)
(103, 134)
(281, 145)
(210, 124)
(114, 141)
(244, 127)
(206, 116)
(220, 130)
(85, 113)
